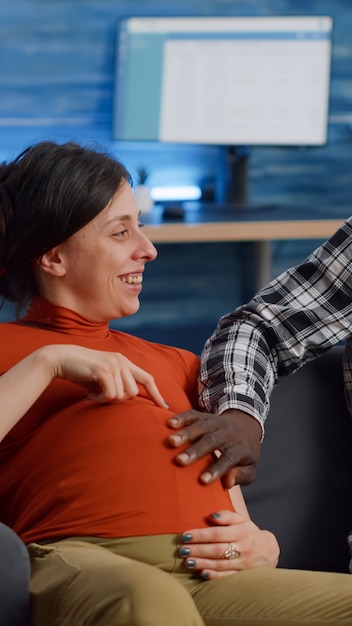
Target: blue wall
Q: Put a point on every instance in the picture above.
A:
(56, 81)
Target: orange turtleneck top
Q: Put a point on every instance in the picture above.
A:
(72, 467)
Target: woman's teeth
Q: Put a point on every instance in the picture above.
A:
(132, 280)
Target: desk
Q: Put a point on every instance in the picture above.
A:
(260, 227)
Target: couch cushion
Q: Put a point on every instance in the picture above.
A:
(303, 487)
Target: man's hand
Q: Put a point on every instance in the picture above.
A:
(234, 434)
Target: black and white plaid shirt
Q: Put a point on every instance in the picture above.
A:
(296, 318)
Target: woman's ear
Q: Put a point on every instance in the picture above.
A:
(52, 262)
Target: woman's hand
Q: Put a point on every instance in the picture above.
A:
(107, 376)
(203, 549)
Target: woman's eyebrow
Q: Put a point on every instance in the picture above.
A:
(118, 218)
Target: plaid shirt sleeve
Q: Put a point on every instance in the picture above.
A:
(297, 317)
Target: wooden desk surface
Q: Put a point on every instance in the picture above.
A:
(206, 223)
(183, 232)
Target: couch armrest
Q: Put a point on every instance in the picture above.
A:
(14, 579)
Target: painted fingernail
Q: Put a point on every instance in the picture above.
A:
(184, 551)
(190, 562)
(204, 575)
(216, 515)
(186, 537)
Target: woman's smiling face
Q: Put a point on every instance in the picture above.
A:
(100, 268)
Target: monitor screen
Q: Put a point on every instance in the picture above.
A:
(223, 80)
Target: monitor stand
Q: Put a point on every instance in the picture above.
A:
(232, 184)
(233, 176)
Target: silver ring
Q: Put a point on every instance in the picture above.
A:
(232, 552)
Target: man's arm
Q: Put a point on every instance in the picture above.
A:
(297, 317)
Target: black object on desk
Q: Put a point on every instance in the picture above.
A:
(173, 212)
(231, 209)
(177, 211)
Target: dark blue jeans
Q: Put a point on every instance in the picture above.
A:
(14, 579)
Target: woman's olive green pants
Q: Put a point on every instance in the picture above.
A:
(141, 581)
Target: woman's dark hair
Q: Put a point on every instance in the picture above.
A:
(47, 194)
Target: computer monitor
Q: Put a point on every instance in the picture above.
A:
(226, 81)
